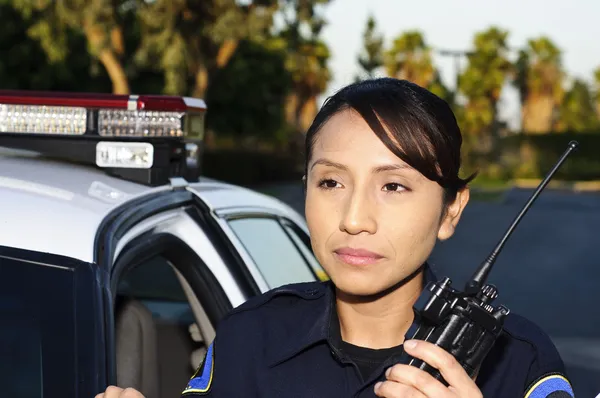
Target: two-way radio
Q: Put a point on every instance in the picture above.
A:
(465, 324)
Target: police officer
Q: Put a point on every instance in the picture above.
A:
(382, 186)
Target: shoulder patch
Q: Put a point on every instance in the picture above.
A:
(201, 381)
(553, 385)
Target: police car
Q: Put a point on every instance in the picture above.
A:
(117, 259)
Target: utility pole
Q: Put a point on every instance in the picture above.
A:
(456, 55)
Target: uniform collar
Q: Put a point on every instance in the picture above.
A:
(316, 329)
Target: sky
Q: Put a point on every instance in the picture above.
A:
(573, 25)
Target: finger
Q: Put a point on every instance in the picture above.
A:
(418, 379)
(130, 393)
(451, 370)
(392, 389)
(111, 392)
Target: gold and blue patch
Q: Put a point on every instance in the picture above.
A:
(201, 381)
(550, 386)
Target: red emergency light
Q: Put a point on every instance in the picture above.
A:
(145, 138)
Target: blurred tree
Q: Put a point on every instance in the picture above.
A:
(25, 66)
(539, 79)
(246, 100)
(409, 58)
(597, 83)
(97, 20)
(307, 57)
(189, 40)
(371, 57)
(577, 113)
(481, 83)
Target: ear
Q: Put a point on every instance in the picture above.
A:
(304, 183)
(453, 213)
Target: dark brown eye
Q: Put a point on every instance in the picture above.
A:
(394, 187)
(328, 184)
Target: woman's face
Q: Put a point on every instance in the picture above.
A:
(373, 219)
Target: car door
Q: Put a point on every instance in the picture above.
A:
(172, 278)
(50, 326)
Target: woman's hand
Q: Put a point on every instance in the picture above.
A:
(117, 392)
(409, 381)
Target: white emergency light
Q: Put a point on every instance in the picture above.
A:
(132, 155)
(146, 138)
(33, 119)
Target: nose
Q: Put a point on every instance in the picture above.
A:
(358, 214)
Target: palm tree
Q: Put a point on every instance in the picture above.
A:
(307, 63)
(577, 111)
(410, 58)
(597, 81)
(539, 78)
(371, 57)
(481, 83)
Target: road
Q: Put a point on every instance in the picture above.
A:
(549, 270)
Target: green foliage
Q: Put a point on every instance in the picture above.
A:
(483, 78)
(488, 66)
(538, 70)
(410, 58)
(230, 52)
(577, 112)
(250, 168)
(545, 73)
(307, 58)
(53, 18)
(183, 38)
(246, 96)
(192, 44)
(597, 84)
(52, 21)
(539, 79)
(371, 57)
(308, 54)
(533, 155)
(27, 67)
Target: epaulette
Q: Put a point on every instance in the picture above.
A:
(523, 329)
(303, 290)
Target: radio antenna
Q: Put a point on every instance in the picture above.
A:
(481, 274)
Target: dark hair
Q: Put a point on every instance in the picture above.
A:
(421, 127)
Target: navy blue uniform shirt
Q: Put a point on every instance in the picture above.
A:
(283, 344)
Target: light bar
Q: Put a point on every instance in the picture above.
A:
(103, 115)
(145, 138)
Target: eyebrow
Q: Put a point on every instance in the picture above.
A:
(377, 169)
(326, 162)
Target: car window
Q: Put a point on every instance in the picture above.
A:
(275, 254)
(302, 241)
(151, 280)
(38, 330)
(153, 285)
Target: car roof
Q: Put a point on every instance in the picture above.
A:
(57, 207)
